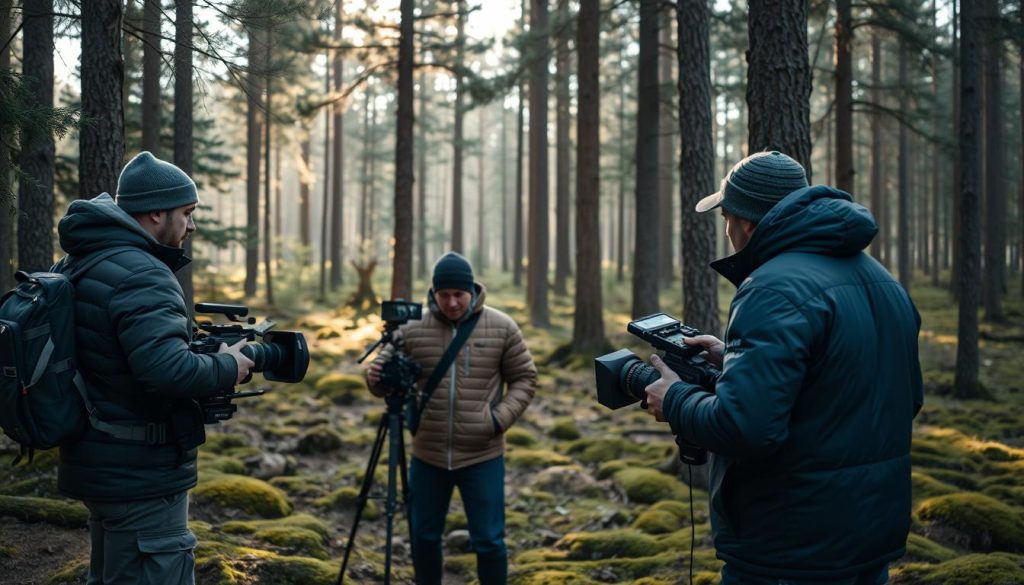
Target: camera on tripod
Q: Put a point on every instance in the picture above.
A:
(281, 356)
(622, 377)
(398, 374)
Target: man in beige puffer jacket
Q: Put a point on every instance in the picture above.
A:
(460, 438)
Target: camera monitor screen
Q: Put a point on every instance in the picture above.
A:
(654, 322)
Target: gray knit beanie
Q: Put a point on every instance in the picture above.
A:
(756, 184)
(150, 184)
(453, 271)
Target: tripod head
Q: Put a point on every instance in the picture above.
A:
(398, 374)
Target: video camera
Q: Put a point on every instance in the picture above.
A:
(398, 374)
(281, 356)
(622, 377)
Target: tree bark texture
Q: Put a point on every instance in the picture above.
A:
(646, 244)
(904, 233)
(268, 238)
(457, 137)
(480, 261)
(254, 138)
(338, 161)
(401, 274)
(305, 179)
(876, 144)
(995, 165)
(562, 145)
(183, 154)
(8, 203)
(666, 153)
(779, 79)
(325, 211)
(969, 273)
(588, 322)
(537, 276)
(696, 166)
(421, 183)
(151, 76)
(503, 157)
(844, 96)
(101, 143)
(35, 193)
(517, 248)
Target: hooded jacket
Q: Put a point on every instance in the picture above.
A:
(132, 334)
(465, 419)
(810, 422)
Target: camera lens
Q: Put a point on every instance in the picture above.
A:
(638, 377)
(266, 356)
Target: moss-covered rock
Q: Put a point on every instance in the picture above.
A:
(73, 573)
(31, 509)
(566, 479)
(342, 389)
(247, 494)
(656, 522)
(920, 548)
(925, 486)
(610, 468)
(1013, 495)
(550, 578)
(219, 442)
(601, 450)
(973, 521)
(650, 581)
(520, 437)
(297, 485)
(303, 521)
(294, 540)
(346, 499)
(564, 429)
(608, 544)
(975, 569)
(319, 439)
(647, 486)
(530, 458)
(290, 570)
(216, 464)
(464, 565)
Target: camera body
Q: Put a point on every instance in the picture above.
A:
(281, 356)
(622, 377)
(397, 375)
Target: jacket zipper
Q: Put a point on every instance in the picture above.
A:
(451, 405)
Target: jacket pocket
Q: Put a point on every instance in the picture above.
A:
(168, 557)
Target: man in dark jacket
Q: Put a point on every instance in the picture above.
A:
(135, 464)
(810, 423)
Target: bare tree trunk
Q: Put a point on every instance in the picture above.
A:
(278, 246)
(517, 253)
(954, 278)
(151, 122)
(588, 323)
(457, 138)
(421, 184)
(338, 162)
(936, 167)
(876, 145)
(268, 242)
(666, 154)
(101, 143)
(562, 145)
(969, 274)
(183, 120)
(326, 211)
(1020, 185)
(254, 133)
(844, 96)
(696, 166)
(480, 264)
(537, 276)
(620, 241)
(505, 252)
(401, 273)
(995, 165)
(364, 179)
(645, 251)
(904, 234)
(305, 178)
(35, 193)
(8, 208)
(779, 79)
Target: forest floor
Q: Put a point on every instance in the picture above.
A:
(593, 496)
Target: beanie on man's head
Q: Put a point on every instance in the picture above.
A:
(150, 184)
(756, 184)
(453, 271)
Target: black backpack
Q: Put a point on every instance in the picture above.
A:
(43, 399)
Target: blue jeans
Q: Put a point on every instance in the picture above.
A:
(733, 576)
(482, 487)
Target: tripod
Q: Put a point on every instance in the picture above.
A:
(391, 424)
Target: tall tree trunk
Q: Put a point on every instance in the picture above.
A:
(364, 179)
(562, 145)
(537, 276)
(779, 79)
(666, 154)
(903, 235)
(844, 96)
(268, 237)
(183, 119)
(457, 138)
(401, 272)
(101, 143)
(480, 263)
(696, 166)
(1020, 183)
(253, 142)
(517, 249)
(588, 323)
(876, 144)
(969, 273)
(503, 157)
(954, 278)
(936, 167)
(8, 207)
(620, 241)
(35, 194)
(325, 208)
(995, 165)
(151, 122)
(421, 183)
(305, 179)
(645, 251)
(338, 160)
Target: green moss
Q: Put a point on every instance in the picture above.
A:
(520, 437)
(979, 522)
(303, 521)
(455, 521)
(210, 463)
(72, 573)
(564, 429)
(294, 540)
(656, 522)
(296, 485)
(320, 439)
(347, 498)
(287, 570)
(26, 487)
(1013, 495)
(340, 388)
(612, 543)
(601, 450)
(647, 486)
(920, 548)
(610, 468)
(960, 479)
(7, 552)
(526, 458)
(650, 581)
(218, 442)
(975, 569)
(550, 578)
(461, 564)
(248, 494)
(30, 509)
(925, 486)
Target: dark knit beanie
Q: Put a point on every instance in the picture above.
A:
(453, 271)
(756, 184)
(150, 184)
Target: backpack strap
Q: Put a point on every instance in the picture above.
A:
(464, 330)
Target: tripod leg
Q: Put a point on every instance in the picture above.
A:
(403, 468)
(364, 492)
(394, 446)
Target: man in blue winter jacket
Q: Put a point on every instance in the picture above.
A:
(809, 426)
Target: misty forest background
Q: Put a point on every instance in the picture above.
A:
(341, 146)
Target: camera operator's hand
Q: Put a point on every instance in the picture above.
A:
(656, 391)
(714, 348)
(373, 374)
(244, 364)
